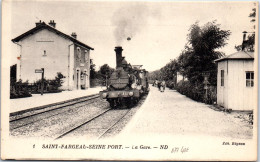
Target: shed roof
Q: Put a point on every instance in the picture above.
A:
(240, 55)
(45, 26)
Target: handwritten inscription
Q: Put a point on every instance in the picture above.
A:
(180, 149)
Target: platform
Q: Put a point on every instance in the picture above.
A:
(37, 100)
(171, 113)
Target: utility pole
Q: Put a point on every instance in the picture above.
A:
(206, 83)
(106, 77)
(42, 85)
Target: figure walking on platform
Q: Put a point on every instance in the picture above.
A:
(162, 86)
(159, 85)
(156, 82)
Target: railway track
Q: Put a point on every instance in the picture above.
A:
(90, 119)
(30, 116)
(109, 128)
(84, 127)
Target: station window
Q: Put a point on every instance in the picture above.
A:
(44, 53)
(78, 52)
(250, 79)
(86, 56)
(222, 77)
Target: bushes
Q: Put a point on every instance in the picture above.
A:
(197, 92)
(170, 84)
(212, 95)
(24, 89)
(49, 86)
(19, 89)
(97, 82)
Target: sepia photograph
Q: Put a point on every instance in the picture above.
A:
(129, 80)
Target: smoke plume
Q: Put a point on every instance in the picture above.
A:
(129, 20)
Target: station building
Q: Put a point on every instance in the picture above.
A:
(235, 81)
(46, 47)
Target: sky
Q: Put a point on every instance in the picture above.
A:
(158, 29)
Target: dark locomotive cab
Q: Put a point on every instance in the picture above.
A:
(126, 84)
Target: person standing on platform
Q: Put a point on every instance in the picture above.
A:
(159, 85)
(156, 83)
(163, 86)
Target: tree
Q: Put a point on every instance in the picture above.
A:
(252, 15)
(154, 75)
(197, 56)
(59, 79)
(53, 83)
(13, 73)
(92, 72)
(182, 61)
(249, 44)
(104, 74)
(105, 70)
(200, 56)
(251, 38)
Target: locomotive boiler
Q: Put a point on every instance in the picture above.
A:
(127, 84)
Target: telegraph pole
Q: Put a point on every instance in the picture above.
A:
(206, 83)
(42, 81)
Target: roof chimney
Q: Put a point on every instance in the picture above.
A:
(74, 35)
(244, 41)
(119, 57)
(38, 23)
(52, 23)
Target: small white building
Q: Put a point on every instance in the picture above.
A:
(235, 81)
(46, 47)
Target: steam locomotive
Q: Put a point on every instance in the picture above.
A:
(127, 84)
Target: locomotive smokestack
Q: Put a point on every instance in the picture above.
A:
(119, 58)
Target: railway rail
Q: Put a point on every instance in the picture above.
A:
(30, 116)
(96, 119)
(89, 117)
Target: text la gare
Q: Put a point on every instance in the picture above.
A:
(141, 147)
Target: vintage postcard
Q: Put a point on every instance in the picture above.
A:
(129, 80)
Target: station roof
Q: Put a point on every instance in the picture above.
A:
(240, 55)
(45, 26)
